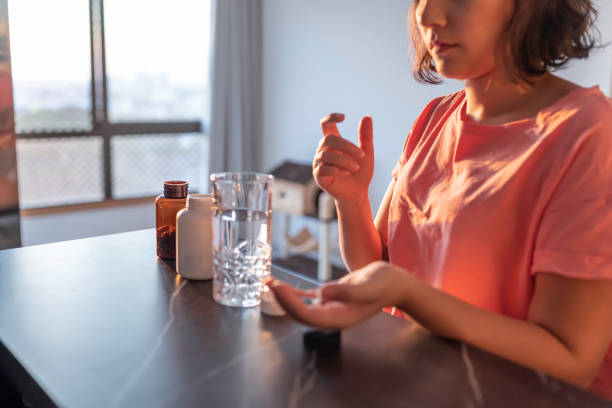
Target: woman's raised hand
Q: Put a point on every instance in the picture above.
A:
(340, 168)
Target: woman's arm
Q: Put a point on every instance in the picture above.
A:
(345, 171)
(362, 241)
(567, 332)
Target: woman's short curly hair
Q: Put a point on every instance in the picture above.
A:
(542, 35)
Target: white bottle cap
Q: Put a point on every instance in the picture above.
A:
(200, 202)
(269, 305)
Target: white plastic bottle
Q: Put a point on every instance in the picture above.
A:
(194, 233)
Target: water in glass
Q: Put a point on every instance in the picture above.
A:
(241, 256)
(241, 245)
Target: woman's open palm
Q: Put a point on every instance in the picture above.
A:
(345, 302)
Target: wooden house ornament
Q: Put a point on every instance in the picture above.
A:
(295, 191)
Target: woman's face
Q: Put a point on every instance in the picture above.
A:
(463, 36)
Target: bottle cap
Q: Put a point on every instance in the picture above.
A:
(269, 305)
(201, 202)
(175, 189)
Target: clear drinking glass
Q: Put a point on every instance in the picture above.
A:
(242, 244)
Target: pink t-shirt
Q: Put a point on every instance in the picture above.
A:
(477, 210)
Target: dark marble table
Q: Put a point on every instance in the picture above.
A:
(101, 322)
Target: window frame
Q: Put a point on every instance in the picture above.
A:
(101, 127)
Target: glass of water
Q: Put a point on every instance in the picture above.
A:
(242, 244)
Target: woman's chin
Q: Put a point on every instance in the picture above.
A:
(463, 72)
(447, 72)
(450, 74)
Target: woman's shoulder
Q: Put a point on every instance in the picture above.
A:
(446, 102)
(435, 111)
(440, 107)
(582, 106)
(582, 118)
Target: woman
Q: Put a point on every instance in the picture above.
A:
(496, 228)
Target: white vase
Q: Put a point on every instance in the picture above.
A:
(194, 233)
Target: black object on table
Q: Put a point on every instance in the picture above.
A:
(325, 342)
(101, 322)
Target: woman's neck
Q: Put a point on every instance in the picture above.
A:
(493, 99)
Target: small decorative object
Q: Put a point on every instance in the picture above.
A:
(167, 205)
(194, 238)
(295, 191)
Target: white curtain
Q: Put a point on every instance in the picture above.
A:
(235, 113)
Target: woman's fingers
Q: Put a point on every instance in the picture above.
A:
(326, 170)
(310, 293)
(328, 124)
(334, 142)
(366, 285)
(366, 137)
(347, 292)
(336, 159)
(304, 293)
(334, 151)
(292, 303)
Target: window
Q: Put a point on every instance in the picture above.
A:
(108, 96)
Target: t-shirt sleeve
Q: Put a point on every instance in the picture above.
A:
(396, 169)
(418, 127)
(574, 238)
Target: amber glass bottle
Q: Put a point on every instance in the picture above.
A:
(167, 205)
